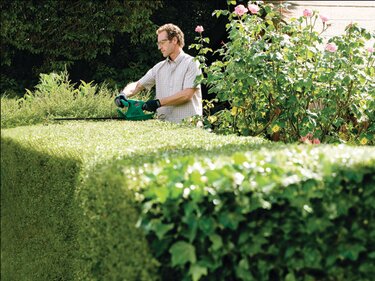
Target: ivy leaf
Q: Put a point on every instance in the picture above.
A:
(207, 225)
(197, 271)
(217, 242)
(161, 229)
(182, 252)
(161, 193)
(242, 271)
(230, 220)
(290, 277)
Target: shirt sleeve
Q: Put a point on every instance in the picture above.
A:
(192, 72)
(148, 80)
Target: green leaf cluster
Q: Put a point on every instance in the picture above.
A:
(295, 213)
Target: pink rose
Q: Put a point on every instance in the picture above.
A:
(199, 29)
(254, 9)
(331, 47)
(307, 13)
(309, 139)
(370, 49)
(324, 18)
(240, 10)
(305, 140)
(316, 141)
(309, 136)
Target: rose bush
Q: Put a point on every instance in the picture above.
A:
(284, 80)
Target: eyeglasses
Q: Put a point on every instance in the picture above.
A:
(161, 42)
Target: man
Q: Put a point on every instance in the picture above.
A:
(177, 95)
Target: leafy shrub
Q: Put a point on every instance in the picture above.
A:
(295, 213)
(214, 207)
(55, 96)
(284, 79)
(67, 212)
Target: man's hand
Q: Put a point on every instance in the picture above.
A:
(151, 105)
(129, 89)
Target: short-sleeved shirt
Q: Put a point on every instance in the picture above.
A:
(171, 77)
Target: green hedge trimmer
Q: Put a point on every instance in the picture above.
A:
(127, 110)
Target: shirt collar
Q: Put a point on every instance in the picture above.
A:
(178, 58)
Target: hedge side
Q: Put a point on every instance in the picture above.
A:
(64, 216)
(296, 213)
(38, 214)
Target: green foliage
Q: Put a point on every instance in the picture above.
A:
(67, 212)
(38, 214)
(214, 207)
(280, 78)
(95, 40)
(294, 213)
(56, 96)
(73, 30)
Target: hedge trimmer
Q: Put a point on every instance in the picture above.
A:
(127, 110)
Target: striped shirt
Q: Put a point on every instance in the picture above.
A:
(171, 77)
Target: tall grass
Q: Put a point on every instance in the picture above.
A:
(55, 96)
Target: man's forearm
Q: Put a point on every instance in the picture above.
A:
(179, 98)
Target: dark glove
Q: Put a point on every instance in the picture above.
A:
(118, 100)
(151, 105)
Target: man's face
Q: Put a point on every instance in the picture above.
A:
(164, 45)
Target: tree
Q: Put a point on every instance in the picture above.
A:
(110, 40)
(58, 33)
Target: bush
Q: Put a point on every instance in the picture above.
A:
(295, 213)
(213, 207)
(65, 215)
(38, 214)
(55, 96)
(284, 81)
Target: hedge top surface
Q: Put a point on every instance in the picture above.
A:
(96, 142)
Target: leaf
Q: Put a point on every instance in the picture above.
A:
(371, 255)
(242, 271)
(207, 225)
(290, 277)
(197, 271)
(161, 229)
(182, 252)
(230, 220)
(161, 193)
(217, 242)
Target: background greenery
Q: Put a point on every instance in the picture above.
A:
(112, 41)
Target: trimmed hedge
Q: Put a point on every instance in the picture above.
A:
(297, 213)
(64, 216)
(79, 200)
(38, 214)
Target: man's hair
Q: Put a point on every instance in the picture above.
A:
(173, 31)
